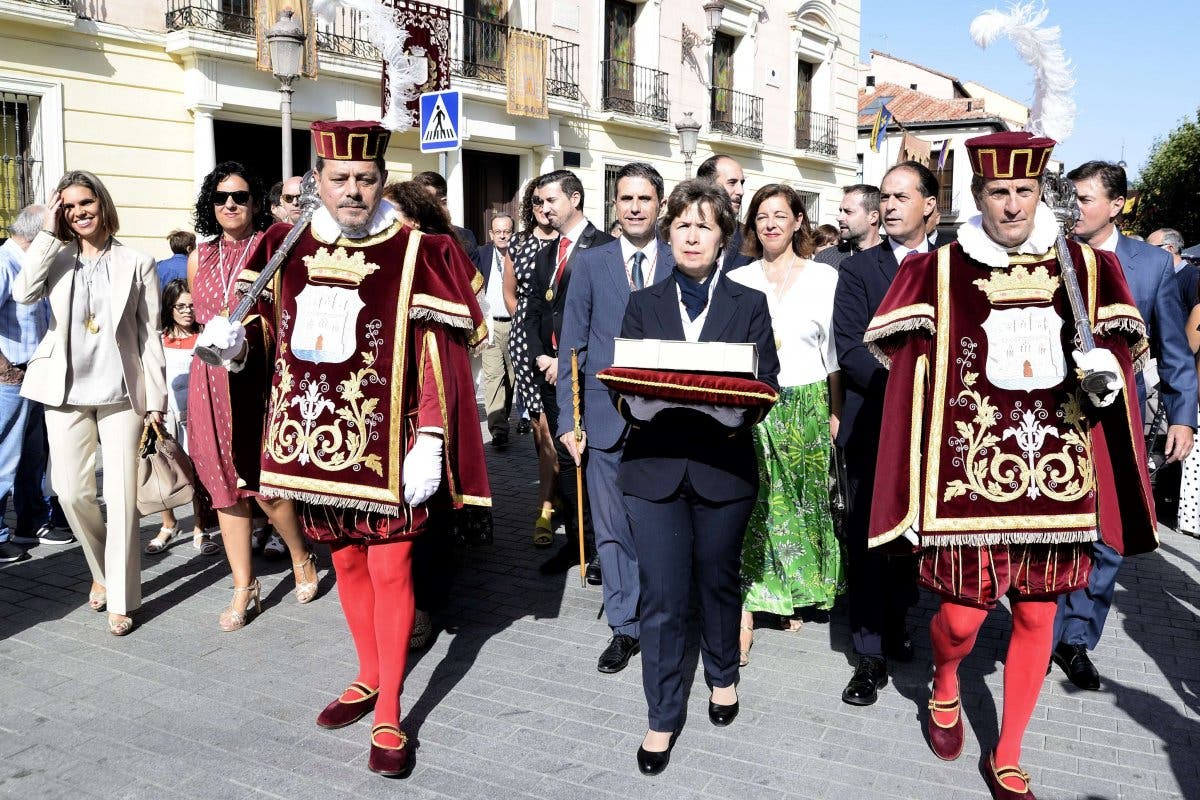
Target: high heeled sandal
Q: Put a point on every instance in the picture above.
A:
(97, 600)
(236, 620)
(994, 777)
(389, 760)
(306, 591)
(744, 655)
(946, 739)
(119, 624)
(159, 543)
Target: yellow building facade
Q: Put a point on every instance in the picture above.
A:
(150, 95)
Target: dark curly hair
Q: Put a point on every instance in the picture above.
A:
(414, 202)
(206, 218)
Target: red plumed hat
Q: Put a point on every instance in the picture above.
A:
(1009, 154)
(350, 140)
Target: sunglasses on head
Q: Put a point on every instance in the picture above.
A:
(241, 197)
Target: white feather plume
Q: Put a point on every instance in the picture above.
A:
(405, 73)
(1053, 111)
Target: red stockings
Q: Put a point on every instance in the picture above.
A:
(375, 586)
(952, 633)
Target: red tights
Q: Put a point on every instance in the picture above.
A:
(953, 631)
(375, 586)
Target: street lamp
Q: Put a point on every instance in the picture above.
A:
(286, 40)
(712, 14)
(689, 135)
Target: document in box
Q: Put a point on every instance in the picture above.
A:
(723, 357)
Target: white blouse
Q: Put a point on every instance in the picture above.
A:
(802, 319)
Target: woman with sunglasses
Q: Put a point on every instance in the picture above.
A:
(179, 332)
(226, 447)
(99, 373)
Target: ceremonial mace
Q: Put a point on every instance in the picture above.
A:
(579, 468)
(308, 204)
(1058, 193)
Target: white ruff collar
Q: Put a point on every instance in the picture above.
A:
(979, 246)
(326, 228)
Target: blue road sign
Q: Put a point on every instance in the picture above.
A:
(441, 121)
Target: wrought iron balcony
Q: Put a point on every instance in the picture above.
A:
(736, 113)
(237, 17)
(479, 49)
(635, 90)
(816, 133)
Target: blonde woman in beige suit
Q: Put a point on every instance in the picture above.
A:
(100, 373)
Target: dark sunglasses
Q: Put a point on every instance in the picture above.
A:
(289, 198)
(240, 197)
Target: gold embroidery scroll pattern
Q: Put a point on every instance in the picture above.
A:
(1064, 475)
(332, 446)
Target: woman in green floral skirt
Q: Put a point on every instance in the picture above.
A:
(791, 558)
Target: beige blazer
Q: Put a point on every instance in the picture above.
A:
(46, 273)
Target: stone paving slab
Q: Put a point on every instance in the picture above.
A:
(507, 703)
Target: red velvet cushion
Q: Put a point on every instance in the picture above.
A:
(689, 387)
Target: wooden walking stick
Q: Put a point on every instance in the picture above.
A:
(579, 468)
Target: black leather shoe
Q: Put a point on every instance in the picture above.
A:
(901, 649)
(720, 715)
(523, 427)
(617, 654)
(500, 440)
(592, 574)
(869, 677)
(1073, 658)
(650, 763)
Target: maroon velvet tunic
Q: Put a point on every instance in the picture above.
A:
(225, 446)
(992, 452)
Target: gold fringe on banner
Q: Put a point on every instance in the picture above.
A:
(525, 74)
(266, 14)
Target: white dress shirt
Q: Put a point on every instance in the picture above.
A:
(901, 251)
(495, 287)
(651, 253)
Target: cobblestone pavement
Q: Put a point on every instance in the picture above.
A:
(507, 702)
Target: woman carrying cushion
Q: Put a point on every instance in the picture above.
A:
(226, 446)
(689, 481)
(99, 372)
(791, 558)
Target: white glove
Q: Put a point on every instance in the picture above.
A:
(227, 338)
(1101, 360)
(422, 469)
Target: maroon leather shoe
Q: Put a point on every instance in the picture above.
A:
(341, 713)
(994, 777)
(946, 741)
(386, 760)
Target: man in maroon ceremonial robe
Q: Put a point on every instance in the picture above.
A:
(996, 466)
(372, 420)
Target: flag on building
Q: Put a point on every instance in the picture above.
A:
(941, 164)
(428, 29)
(525, 74)
(913, 149)
(879, 128)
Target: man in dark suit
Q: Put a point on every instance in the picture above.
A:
(1100, 188)
(562, 203)
(881, 588)
(497, 368)
(599, 291)
(435, 184)
(726, 172)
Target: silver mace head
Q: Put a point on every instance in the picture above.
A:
(1058, 192)
(309, 199)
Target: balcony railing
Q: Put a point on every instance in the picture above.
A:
(479, 49)
(237, 16)
(816, 133)
(635, 90)
(736, 113)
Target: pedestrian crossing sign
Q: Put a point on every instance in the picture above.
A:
(441, 121)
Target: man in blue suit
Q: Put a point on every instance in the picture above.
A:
(1150, 272)
(596, 300)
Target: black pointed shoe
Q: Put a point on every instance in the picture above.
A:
(652, 763)
(593, 574)
(720, 715)
(620, 649)
(869, 677)
(1074, 660)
